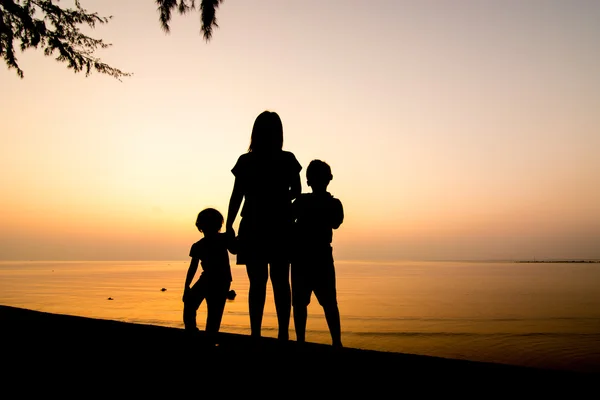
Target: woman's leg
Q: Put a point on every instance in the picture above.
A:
(257, 275)
(300, 316)
(280, 279)
(301, 292)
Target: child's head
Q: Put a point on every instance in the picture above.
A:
(318, 175)
(209, 221)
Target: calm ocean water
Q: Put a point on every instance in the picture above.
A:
(544, 315)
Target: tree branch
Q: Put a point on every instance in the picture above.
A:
(208, 8)
(57, 30)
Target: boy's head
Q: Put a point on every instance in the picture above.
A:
(318, 175)
(209, 221)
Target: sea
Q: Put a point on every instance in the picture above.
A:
(531, 314)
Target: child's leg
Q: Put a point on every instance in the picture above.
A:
(190, 309)
(191, 305)
(326, 293)
(332, 315)
(215, 304)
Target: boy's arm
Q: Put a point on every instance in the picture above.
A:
(191, 273)
(337, 214)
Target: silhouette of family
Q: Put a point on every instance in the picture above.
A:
(282, 232)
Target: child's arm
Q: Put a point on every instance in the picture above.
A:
(337, 213)
(232, 242)
(190, 275)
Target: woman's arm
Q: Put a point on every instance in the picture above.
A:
(235, 201)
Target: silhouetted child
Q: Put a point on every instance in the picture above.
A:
(316, 214)
(215, 280)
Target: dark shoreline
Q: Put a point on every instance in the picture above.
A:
(70, 350)
(559, 261)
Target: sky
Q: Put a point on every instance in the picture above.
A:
(463, 130)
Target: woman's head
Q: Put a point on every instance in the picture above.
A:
(267, 133)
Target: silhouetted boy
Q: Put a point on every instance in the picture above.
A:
(316, 214)
(215, 280)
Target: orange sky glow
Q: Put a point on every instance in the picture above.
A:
(455, 130)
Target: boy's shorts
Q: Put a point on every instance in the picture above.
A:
(314, 272)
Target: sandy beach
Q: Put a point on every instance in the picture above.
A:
(64, 354)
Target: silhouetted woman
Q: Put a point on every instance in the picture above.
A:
(267, 179)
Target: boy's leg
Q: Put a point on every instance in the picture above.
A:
(215, 304)
(326, 293)
(258, 274)
(280, 279)
(332, 315)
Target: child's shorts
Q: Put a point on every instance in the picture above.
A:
(314, 273)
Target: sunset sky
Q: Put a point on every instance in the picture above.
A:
(454, 129)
